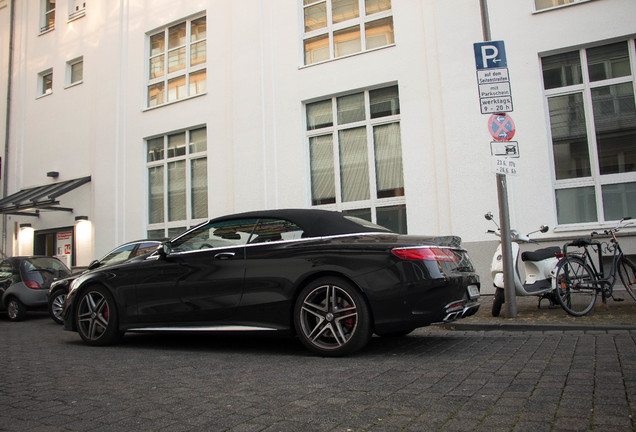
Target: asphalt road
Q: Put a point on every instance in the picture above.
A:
(434, 379)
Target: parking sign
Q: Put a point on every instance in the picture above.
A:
(490, 55)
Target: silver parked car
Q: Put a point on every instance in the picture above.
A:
(25, 282)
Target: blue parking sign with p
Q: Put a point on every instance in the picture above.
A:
(490, 55)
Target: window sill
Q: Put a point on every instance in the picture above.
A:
(77, 15)
(173, 102)
(560, 6)
(74, 84)
(46, 30)
(346, 56)
(44, 95)
(586, 228)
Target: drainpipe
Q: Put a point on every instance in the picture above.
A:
(5, 161)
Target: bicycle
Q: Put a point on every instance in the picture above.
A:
(578, 280)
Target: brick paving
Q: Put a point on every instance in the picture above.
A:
(436, 379)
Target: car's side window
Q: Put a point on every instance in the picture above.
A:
(216, 234)
(269, 230)
(146, 247)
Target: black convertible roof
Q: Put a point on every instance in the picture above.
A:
(315, 223)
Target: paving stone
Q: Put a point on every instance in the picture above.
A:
(436, 379)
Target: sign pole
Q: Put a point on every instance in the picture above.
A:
(504, 213)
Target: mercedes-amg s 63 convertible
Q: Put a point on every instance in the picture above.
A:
(328, 278)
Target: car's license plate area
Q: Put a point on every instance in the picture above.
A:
(473, 292)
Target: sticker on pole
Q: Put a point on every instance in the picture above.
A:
(501, 127)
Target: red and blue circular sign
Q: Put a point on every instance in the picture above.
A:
(501, 127)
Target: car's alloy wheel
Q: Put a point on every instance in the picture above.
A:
(332, 318)
(55, 306)
(97, 317)
(16, 310)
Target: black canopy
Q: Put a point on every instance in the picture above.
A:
(29, 201)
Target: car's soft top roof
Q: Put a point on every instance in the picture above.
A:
(315, 223)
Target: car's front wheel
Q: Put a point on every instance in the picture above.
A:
(97, 317)
(56, 303)
(332, 318)
(497, 301)
(16, 310)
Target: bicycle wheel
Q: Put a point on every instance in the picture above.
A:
(575, 287)
(627, 273)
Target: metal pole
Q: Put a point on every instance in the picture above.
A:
(506, 246)
(5, 160)
(502, 198)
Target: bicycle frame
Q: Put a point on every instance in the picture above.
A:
(600, 282)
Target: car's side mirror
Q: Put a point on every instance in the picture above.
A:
(164, 249)
(93, 265)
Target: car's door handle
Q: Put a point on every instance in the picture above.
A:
(224, 255)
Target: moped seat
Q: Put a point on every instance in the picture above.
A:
(541, 254)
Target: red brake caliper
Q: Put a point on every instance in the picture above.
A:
(349, 322)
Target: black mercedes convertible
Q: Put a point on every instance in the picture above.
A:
(331, 279)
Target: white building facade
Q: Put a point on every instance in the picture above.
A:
(145, 118)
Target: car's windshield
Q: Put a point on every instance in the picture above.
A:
(118, 255)
(44, 270)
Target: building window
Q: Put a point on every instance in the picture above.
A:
(590, 99)
(177, 62)
(75, 71)
(45, 82)
(76, 9)
(337, 28)
(47, 19)
(177, 181)
(355, 156)
(550, 4)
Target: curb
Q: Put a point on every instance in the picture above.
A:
(536, 327)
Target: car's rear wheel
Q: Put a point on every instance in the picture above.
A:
(97, 317)
(332, 318)
(16, 310)
(56, 302)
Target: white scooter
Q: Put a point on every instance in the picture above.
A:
(539, 268)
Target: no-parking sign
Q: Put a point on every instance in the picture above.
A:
(501, 127)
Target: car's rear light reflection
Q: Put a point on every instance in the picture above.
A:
(32, 284)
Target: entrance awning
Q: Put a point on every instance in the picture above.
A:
(29, 202)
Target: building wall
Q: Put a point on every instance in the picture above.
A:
(254, 108)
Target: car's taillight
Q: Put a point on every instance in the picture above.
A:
(425, 254)
(32, 284)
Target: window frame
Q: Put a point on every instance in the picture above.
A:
(374, 202)
(170, 77)
(595, 180)
(167, 226)
(75, 11)
(42, 86)
(69, 72)
(332, 28)
(45, 20)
